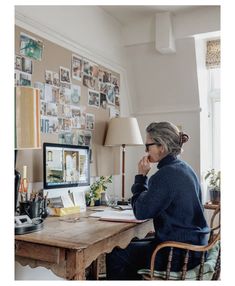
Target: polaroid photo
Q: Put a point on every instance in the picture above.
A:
(18, 62)
(115, 80)
(75, 111)
(90, 121)
(67, 111)
(76, 67)
(65, 75)
(55, 94)
(48, 77)
(93, 98)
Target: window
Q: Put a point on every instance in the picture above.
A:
(214, 112)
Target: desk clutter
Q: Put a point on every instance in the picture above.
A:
(70, 203)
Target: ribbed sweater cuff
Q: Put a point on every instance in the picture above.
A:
(140, 179)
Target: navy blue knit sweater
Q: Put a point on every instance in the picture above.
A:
(172, 197)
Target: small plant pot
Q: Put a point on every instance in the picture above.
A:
(214, 196)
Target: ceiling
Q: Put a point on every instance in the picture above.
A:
(128, 14)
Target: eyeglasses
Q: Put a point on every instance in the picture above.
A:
(149, 144)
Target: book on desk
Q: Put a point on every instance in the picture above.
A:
(118, 216)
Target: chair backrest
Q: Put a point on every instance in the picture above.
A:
(209, 268)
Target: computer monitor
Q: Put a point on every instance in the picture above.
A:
(65, 166)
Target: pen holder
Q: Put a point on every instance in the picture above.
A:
(32, 209)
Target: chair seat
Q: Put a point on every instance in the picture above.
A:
(208, 270)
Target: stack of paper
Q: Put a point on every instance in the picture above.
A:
(120, 216)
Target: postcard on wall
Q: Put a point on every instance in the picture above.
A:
(31, 47)
(65, 95)
(25, 79)
(76, 67)
(113, 112)
(53, 125)
(48, 77)
(51, 109)
(65, 138)
(18, 62)
(103, 100)
(48, 93)
(43, 110)
(90, 68)
(75, 94)
(55, 94)
(111, 95)
(27, 65)
(41, 87)
(55, 79)
(90, 121)
(90, 82)
(93, 98)
(65, 75)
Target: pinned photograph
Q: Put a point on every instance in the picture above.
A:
(18, 62)
(90, 121)
(89, 81)
(93, 98)
(111, 95)
(76, 67)
(75, 94)
(27, 65)
(51, 109)
(55, 94)
(103, 100)
(48, 77)
(90, 68)
(107, 77)
(31, 47)
(56, 79)
(41, 87)
(65, 75)
(25, 79)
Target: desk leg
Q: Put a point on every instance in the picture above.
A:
(75, 266)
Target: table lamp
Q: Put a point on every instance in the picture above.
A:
(123, 131)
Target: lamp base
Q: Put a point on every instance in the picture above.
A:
(122, 203)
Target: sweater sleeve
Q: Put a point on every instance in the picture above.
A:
(149, 200)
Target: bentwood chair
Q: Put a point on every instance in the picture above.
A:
(209, 267)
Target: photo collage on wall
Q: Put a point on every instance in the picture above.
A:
(61, 110)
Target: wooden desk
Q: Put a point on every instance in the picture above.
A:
(68, 248)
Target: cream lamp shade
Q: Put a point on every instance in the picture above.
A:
(123, 130)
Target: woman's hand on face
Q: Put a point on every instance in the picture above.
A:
(144, 166)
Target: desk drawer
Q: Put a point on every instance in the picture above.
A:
(39, 252)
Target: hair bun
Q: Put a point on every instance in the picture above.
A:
(183, 138)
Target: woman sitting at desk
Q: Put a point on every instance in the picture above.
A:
(172, 197)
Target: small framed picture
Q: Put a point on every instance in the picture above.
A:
(65, 75)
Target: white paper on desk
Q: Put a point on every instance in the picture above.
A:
(79, 200)
(119, 216)
(67, 202)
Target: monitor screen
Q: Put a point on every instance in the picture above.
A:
(65, 166)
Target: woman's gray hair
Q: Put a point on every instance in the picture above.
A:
(167, 135)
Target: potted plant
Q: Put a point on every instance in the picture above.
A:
(213, 179)
(93, 196)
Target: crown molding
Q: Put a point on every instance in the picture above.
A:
(169, 110)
